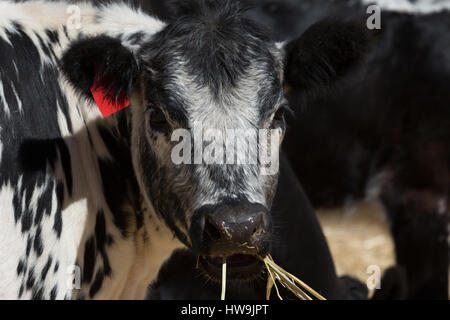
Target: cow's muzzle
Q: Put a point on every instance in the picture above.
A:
(238, 232)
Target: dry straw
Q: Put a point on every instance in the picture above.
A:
(276, 273)
(287, 280)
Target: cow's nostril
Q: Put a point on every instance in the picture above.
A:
(211, 232)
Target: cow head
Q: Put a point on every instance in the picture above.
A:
(206, 96)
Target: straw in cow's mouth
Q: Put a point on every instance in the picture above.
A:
(287, 280)
(276, 273)
(224, 278)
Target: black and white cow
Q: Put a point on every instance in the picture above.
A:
(101, 198)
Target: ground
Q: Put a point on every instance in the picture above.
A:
(358, 237)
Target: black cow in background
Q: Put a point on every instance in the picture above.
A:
(383, 132)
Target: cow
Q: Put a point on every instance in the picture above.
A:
(383, 133)
(92, 198)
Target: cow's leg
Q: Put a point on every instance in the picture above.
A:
(420, 222)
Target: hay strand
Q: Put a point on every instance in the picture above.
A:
(287, 280)
(271, 282)
(224, 278)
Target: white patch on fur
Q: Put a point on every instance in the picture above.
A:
(118, 19)
(150, 254)
(15, 68)
(62, 121)
(3, 100)
(18, 100)
(408, 6)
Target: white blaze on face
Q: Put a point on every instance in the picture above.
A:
(235, 110)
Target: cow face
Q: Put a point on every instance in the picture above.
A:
(207, 121)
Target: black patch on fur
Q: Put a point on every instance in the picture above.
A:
(37, 243)
(53, 292)
(325, 53)
(43, 203)
(97, 284)
(45, 47)
(21, 289)
(16, 204)
(20, 267)
(57, 225)
(100, 231)
(136, 38)
(37, 294)
(27, 219)
(46, 268)
(100, 237)
(52, 36)
(114, 189)
(105, 55)
(30, 279)
(89, 260)
(36, 154)
(66, 164)
(66, 33)
(29, 245)
(110, 240)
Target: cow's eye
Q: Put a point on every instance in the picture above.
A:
(278, 118)
(279, 115)
(157, 118)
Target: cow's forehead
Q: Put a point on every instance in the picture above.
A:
(221, 65)
(202, 87)
(240, 105)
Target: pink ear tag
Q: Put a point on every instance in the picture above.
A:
(106, 106)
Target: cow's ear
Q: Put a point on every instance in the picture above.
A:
(101, 69)
(324, 53)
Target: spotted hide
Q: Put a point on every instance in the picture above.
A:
(90, 207)
(71, 214)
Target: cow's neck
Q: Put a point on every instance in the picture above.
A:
(103, 235)
(123, 242)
